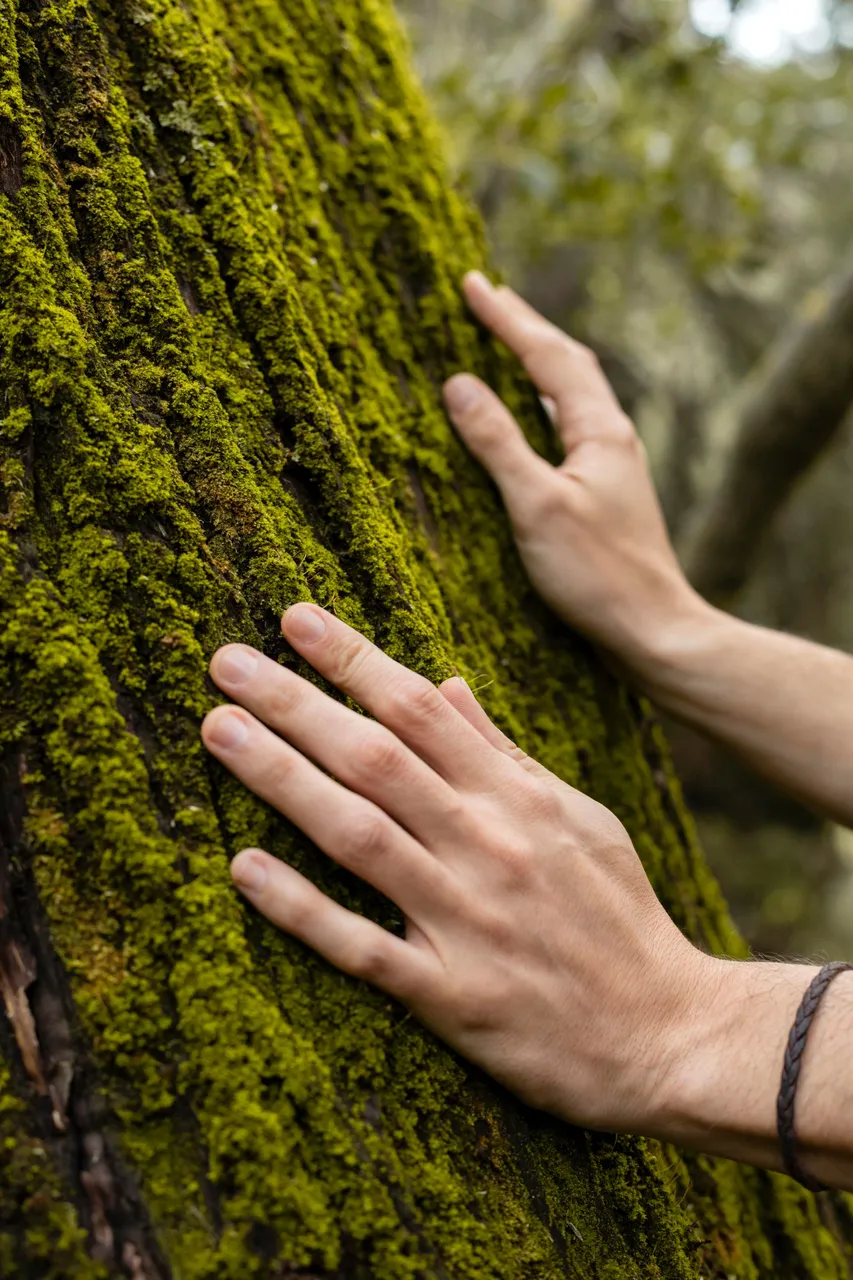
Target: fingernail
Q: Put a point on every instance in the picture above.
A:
(236, 666)
(462, 393)
(229, 731)
(249, 873)
(304, 623)
(477, 277)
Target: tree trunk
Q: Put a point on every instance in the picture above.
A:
(229, 259)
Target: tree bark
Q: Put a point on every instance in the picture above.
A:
(795, 409)
(229, 260)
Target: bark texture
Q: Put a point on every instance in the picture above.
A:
(229, 258)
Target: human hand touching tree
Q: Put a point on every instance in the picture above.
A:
(595, 545)
(534, 943)
(523, 898)
(591, 531)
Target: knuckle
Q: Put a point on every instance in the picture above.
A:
(280, 769)
(532, 794)
(553, 343)
(490, 426)
(624, 432)
(366, 838)
(374, 964)
(379, 755)
(546, 799)
(285, 696)
(352, 653)
(551, 499)
(302, 915)
(539, 805)
(414, 700)
(516, 864)
(457, 817)
(479, 1009)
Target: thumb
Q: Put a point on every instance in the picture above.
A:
(495, 439)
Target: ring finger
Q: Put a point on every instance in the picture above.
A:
(356, 833)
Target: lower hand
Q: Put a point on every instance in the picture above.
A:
(590, 532)
(534, 943)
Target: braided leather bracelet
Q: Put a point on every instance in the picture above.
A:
(791, 1073)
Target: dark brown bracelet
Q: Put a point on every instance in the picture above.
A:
(791, 1073)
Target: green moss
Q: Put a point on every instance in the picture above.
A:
(228, 297)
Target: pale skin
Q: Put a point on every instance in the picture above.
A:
(534, 943)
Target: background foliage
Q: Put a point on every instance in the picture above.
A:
(680, 207)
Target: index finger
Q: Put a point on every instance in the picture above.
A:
(400, 699)
(562, 369)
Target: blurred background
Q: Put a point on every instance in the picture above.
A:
(670, 181)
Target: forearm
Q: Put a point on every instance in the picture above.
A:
(720, 1097)
(783, 704)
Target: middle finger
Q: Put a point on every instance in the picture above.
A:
(357, 834)
(362, 754)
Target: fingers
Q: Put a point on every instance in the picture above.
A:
(355, 945)
(516, 323)
(461, 696)
(356, 833)
(562, 369)
(495, 439)
(406, 703)
(362, 754)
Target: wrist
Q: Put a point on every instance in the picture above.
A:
(672, 651)
(671, 638)
(725, 1060)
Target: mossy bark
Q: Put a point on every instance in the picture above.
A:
(229, 258)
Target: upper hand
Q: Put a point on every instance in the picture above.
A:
(590, 532)
(534, 943)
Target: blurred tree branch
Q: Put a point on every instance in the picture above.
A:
(747, 326)
(796, 408)
(678, 482)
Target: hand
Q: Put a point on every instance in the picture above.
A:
(590, 532)
(534, 943)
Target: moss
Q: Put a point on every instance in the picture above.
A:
(40, 1234)
(228, 297)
